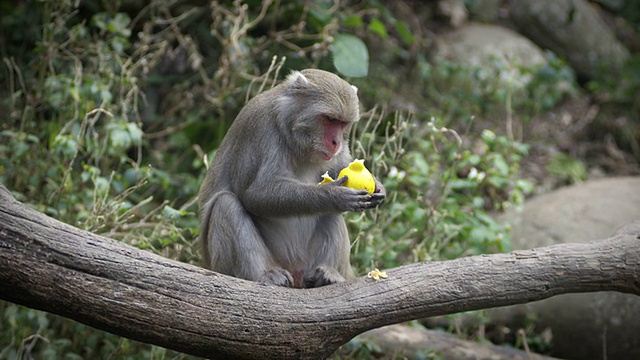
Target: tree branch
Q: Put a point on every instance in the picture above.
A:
(51, 266)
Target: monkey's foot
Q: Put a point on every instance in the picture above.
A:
(277, 276)
(321, 276)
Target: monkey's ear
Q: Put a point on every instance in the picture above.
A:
(293, 83)
(297, 80)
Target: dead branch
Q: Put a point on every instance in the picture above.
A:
(51, 266)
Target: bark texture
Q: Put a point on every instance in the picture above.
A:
(51, 266)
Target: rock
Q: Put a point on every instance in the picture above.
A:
(420, 343)
(485, 10)
(476, 43)
(584, 326)
(453, 10)
(573, 30)
(579, 213)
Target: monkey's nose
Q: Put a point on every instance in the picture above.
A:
(335, 146)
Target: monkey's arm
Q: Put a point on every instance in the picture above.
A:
(282, 196)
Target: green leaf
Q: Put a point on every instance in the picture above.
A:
(172, 214)
(500, 165)
(119, 140)
(101, 21)
(319, 13)
(404, 32)
(102, 186)
(353, 21)
(419, 163)
(378, 27)
(350, 55)
(135, 133)
(119, 24)
(65, 144)
(525, 186)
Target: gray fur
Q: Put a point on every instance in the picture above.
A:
(264, 217)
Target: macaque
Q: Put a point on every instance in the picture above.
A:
(264, 215)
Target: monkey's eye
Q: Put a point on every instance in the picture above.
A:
(334, 120)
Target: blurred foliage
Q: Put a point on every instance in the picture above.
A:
(568, 168)
(441, 194)
(497, 87)
(620, 102)
(112, 110)
(628, 9)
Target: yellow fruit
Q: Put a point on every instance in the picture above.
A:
(359, 178)
(326, 178)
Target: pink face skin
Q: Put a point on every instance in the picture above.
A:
(332, 139)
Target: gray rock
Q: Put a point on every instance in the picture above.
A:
(584, 326)
(453, 10)
(485, 10)
(401, 341)
(578, 213)
(573, 30)
(476, 43)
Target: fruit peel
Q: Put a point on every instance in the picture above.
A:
(326, 178)
(358, 177)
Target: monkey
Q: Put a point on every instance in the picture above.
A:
(264, 215)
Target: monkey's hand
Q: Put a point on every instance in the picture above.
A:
(348, 199)
(321, 276)
(380, 190)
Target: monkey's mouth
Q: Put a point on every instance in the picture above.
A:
(326, 155)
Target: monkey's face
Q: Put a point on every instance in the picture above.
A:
(319, 108)
(334, 133)
(331, 118)
(335, 109)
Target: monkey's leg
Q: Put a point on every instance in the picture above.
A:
(235, 246)
(330, 250)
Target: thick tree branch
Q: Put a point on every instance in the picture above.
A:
(48, 265)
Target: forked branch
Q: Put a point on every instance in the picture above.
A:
(51, 266)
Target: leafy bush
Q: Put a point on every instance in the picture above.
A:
(440, 193)
(498, 88)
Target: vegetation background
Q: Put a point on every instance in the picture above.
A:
(111, 110)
